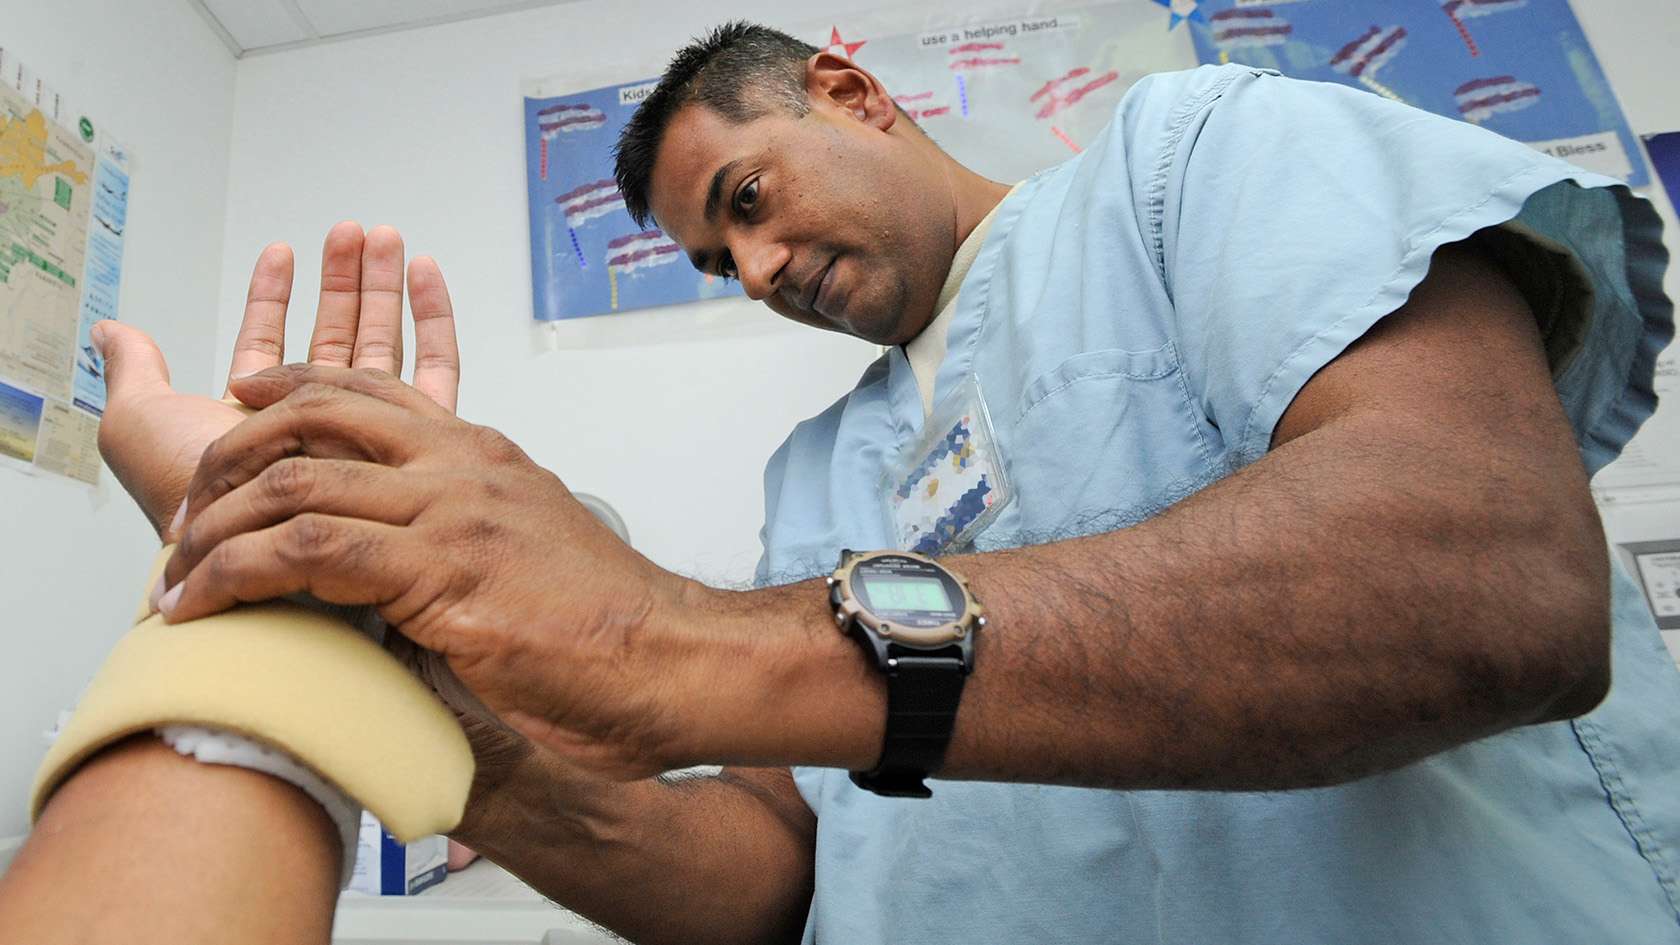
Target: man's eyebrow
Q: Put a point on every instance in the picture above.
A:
(714, 194)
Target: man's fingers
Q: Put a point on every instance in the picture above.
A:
(334, 339)
(133, 363)
(338, 560)
(315, 420)
(261, 342)
(379, 342)
(295, 486)
(437, 359)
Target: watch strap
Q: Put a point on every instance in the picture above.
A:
(923, 691)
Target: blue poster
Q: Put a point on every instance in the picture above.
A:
(1665, 157)
(588, 257)
(20, 422)
(102, 273)
(1521, 68)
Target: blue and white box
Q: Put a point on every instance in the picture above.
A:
(385, 867)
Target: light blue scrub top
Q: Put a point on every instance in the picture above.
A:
(1138, 320)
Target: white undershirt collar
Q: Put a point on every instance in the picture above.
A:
(926, 351)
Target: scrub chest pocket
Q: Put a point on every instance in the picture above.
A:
(1112, 423)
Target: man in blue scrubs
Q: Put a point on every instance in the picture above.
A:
(1302, 624)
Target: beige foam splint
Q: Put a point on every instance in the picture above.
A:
(291, 677)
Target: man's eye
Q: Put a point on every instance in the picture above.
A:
(726, 266)
(748, 197)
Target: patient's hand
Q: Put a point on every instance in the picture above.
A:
(152, 436)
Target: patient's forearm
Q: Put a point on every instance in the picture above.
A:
(143, 845)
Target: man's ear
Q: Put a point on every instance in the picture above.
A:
(838, 83)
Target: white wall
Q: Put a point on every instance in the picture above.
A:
(1636, 42)
(71, 558)
(423, 130)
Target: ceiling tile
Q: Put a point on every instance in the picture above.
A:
(256, 23)
(332, 17)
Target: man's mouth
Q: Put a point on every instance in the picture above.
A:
(822, 291)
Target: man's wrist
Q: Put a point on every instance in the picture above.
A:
(780, 684)
(538, 804)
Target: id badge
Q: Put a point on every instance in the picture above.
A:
(950, 485)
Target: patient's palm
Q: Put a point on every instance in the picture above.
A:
(152, 435)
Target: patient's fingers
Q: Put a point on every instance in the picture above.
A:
(134, 367)
(336, 315)
(294, 486)
(338, 560)
(379, 341)
(437, 359)
(262, 334)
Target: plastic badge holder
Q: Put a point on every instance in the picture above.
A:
(952, 483)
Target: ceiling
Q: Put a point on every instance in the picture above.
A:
(263, 26)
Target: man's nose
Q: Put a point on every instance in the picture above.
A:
(761, 266)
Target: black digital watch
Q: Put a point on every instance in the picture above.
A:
(916, 620)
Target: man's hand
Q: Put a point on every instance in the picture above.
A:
(152, 436)
(360, 490)
(499, 752)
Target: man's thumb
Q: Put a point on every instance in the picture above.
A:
(133, 362)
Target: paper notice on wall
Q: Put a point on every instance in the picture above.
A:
(1601, 153)
(20, 423)
(69, 442)
(103, 271)
(1644, 529)
(1656, 568)
(1659, 572)
(1010, 92)
(63, 210)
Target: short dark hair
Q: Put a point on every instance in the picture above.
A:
(740, 70)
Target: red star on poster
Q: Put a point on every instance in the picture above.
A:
(840, 47)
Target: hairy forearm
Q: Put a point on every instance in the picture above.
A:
(724, 859)
(143, 845)
(1302, 622)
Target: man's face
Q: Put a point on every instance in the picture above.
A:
(825, 217)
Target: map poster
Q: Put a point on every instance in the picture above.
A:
(1521, 68)
(1044, 82)
(63, 207)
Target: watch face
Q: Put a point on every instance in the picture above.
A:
(904, 591)
(908, 593)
